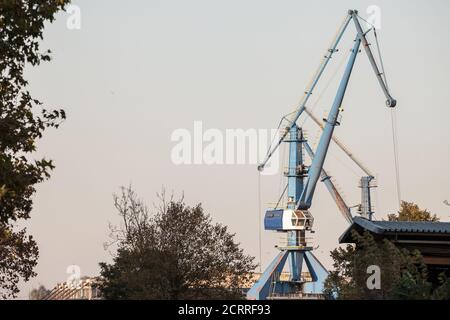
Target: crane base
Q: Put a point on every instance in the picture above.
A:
(270, 286)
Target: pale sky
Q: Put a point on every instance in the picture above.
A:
(138, 70)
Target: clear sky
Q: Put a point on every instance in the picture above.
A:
(138, 70)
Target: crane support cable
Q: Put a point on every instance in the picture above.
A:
(259, 222)
(344, 58)
(281, 197)
(396, 157)
(341, 145)
(393, 125)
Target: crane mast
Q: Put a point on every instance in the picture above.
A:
(295, 220)
(304, 203)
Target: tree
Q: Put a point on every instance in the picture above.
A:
(39, 293)
(411, 212)
(403, 274)
(175, 253)
(443, 291)
(23, 121)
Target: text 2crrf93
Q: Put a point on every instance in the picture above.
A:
(249, 309)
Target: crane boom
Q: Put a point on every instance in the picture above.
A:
(390, 102)
(340, 202)
(306, 197)
(310, 88)
(305, 200)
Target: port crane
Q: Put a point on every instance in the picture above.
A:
(295, 219)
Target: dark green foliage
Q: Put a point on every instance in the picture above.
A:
(149, 274)
(39, 293)
(18, 255)
(443, 291)
(22, 122)
(177, 253)
(403, 274)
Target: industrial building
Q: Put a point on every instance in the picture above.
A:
(431, 239)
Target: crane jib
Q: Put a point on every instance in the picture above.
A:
(317, 164)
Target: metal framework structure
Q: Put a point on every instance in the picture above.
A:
(294, 219)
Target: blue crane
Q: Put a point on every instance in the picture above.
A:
(295, 219)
